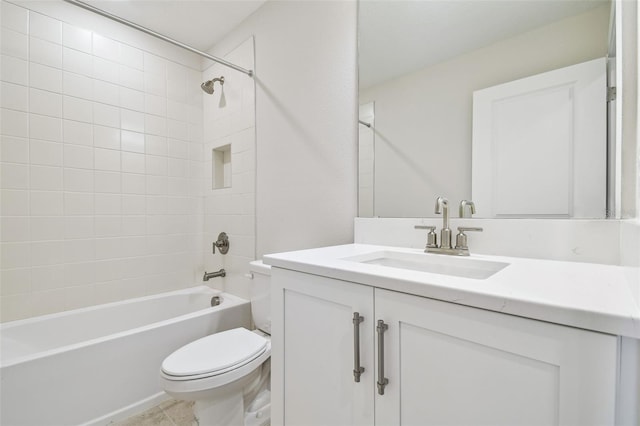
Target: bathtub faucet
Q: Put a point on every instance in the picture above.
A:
(208, 275)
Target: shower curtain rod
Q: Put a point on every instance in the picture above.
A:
(158, 35)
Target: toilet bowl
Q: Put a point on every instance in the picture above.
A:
(227, 373)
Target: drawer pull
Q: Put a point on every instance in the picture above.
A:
(382, 381)
(357, 368)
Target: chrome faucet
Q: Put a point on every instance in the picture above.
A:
(208, 275)
(461, 248)
(442, 207)
(222, 243)
(463, 208)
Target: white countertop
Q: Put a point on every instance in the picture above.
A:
(592, 296)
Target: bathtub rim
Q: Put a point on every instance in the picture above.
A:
(226, 299)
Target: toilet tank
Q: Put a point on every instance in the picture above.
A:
(261, 295)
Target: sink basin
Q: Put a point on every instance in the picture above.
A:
(432, 263)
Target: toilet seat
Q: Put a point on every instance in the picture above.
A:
(214, 355)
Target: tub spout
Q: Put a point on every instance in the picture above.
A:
(208, 275)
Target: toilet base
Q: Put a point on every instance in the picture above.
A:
(246, 403)
(259, 412)
(225, 411)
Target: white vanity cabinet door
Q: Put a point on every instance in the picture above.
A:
(453, 365)
(313, 351)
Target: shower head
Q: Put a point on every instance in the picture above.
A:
(207, 86)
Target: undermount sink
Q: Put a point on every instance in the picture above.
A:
(432, 263)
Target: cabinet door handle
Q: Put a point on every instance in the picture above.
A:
(357, 369)
(382, 381)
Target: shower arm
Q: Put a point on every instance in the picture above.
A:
(158, 35)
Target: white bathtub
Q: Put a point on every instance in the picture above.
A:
(100, 364)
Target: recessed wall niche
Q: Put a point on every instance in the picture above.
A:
(221, 167)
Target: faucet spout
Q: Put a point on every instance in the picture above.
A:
(208, 275)
(442, 207)
(463, 208)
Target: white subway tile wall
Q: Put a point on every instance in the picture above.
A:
(231, 210)
(102, 159)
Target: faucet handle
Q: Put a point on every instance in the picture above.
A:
(432, 238)
(464, 229)
(461, 238)
(222, 243)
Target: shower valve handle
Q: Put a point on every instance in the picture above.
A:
(222, 244)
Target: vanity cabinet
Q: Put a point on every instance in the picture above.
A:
(451, 364)
(445, 363)
(312, 346)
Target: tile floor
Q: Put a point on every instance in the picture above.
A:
(169, 413)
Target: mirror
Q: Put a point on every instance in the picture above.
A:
(420, 63)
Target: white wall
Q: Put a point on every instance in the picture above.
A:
(423, 120)
(630, 153)
(637, 78)
(101, 162)
(306, 115)
(630, 229)
(366, 160)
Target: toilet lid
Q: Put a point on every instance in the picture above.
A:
(216, 353)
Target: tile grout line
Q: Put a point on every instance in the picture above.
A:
(166, 415)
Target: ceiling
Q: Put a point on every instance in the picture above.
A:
(198, 23)
(399, 36)
(395, 36)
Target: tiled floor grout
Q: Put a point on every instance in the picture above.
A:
(168, 413)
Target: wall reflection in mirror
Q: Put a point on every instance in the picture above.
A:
(422, 135)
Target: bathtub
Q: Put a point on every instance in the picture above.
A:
(100, 364)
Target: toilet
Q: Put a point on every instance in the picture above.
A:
(227, 373)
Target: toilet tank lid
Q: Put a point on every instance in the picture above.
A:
(259, 267)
